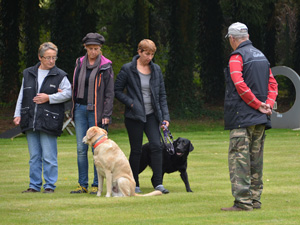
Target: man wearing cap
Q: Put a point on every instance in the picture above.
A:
(93, 95)
(251, 91)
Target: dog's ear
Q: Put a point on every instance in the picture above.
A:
(91, 132)
(175, 142)
(191, 147)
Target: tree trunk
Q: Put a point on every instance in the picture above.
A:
(179, 73)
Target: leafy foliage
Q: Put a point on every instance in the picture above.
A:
(210, 50)
(270, 34)
(179, 73)
(66, 35)
(189, 34)
(296, 56)
(31, 24)
(9, 52)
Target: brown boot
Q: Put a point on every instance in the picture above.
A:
(30, 190)
(235, 208)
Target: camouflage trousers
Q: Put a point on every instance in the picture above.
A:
(245, 159)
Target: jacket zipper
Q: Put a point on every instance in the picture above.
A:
(35, 107)
(140, 89)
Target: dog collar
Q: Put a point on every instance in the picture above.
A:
(98, 141)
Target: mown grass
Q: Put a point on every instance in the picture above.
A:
(208, 174)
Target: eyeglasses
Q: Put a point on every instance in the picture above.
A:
(48, 58)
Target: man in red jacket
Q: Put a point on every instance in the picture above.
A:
(251, 91)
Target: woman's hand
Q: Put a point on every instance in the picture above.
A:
(17, 120)
(165, 124)
(105, 121)
(41, 98)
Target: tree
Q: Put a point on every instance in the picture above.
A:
(31, 31)
(9, 52)
(70, 23)
(252, 13)
(179, 73)
(142, 22)
(270, 33)
(296, 54)
(210, 50)
(87, 19)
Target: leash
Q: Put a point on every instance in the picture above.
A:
(168, 138)
(105, 127)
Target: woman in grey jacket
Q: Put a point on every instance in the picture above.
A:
(146, 109)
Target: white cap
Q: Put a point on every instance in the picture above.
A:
(237, 29)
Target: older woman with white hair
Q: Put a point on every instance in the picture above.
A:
(40, 114)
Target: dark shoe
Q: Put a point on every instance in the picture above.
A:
(48, 190)
(235, 208)
(256, 206)
(162, 189)
(30, 190)
(79, 190)
(94, 190)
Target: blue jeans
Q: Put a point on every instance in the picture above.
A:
(84, 119)
(43, 157)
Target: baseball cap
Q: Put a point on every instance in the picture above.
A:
(237, 29)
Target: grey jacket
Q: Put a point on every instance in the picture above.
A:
(104, 84)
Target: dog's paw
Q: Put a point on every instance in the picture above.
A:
(98, 194)
(108, 195)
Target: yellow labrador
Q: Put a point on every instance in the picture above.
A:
(112, 164)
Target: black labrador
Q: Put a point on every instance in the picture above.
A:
(171, 163)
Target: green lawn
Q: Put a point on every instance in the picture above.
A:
(207, 170)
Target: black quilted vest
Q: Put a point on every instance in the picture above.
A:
(42, 117)
(237, 113)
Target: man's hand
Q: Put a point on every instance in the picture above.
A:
(265, 108)
(41, 98)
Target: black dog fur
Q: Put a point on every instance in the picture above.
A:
(171, 163)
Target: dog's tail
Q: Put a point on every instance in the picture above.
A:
(153, 193)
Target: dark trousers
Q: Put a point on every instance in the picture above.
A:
(135, 131)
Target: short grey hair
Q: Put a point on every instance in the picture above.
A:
(46, 46)
(240, 37)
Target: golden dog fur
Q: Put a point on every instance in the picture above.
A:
(112, 164)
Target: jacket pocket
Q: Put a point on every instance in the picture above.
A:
(51, 120)
(24, 117)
